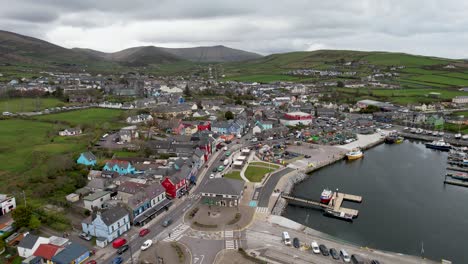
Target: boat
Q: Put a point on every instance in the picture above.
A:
(354, 154)
(390, 139)
(439, 145)
(458, 175)
(326, 196)
(399, 139)
(340, 215)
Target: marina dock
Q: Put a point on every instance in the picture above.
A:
(458, 169)
(458, 183)
(334, 207)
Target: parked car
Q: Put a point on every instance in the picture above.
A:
(147, 244)
(119, 242)
(167, 222)
(91, 262)
(85, 236)
(212, 176)
(324, 250)
(122, 249)
(286, 239)
(315, 247)
(356, 259)
(117, 260)
(307, 156)
(144, 232)
(215, 169)
(334, 253)
(345, 256)
(296, 242)
(375, 262)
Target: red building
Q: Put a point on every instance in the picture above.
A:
(295, 118)
(175, 187)
(204, 126)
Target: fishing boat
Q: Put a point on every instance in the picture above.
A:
(458, 175)
(340, 215)
(326, 196)
(399, 139)
(354, 154)
(439, 145)
(390, 139)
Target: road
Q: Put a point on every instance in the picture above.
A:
(157, 231)
(266, 191)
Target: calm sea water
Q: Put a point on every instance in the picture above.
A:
(405, 203)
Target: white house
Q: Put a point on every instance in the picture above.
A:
(96, 199)
(460, 99)
(7, 203)
(143, 118)
(107, 225)
(28, 245)
(70, 132)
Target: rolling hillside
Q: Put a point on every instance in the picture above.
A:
(15, 48)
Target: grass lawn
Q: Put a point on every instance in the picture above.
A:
(264, 78)
(233, 175)
(265, 164)
(29, 104)
(125, 154)
(255, 173)
(89, 117)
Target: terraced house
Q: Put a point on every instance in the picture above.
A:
(107, 225)
(87, 158)
(147, 204)
(122, 167)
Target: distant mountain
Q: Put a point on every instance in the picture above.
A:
(23, 49)
(212, 54)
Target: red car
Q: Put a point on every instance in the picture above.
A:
(118, 242)
(144, 232)
(91, 262)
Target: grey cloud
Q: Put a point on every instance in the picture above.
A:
(263, 26)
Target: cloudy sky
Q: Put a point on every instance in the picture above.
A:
(428, 27)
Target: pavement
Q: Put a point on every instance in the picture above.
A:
(263, 238)
(266, 191)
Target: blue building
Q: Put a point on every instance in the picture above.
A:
(264, 125)
(122, 167)
(147, 204)
(87, 158)
(72, 253)
(107, 225)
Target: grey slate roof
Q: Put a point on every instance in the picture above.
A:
(28, 241)
(69, 253)
(89, 156)
(113, 214)
(224, 186)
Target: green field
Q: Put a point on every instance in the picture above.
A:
(233, 175)
(87, 117)
(29, 104)
(264, 78)
(256, 174)
(265, 164)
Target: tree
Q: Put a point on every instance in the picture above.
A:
(228, 115)
(238, 101)
(22, 216)
(34, 222)
(340, 84)
(187, 91)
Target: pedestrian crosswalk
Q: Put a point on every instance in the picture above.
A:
(228, 234)
(194, 196)
(232, 244)
(262, 210)
(176, 233)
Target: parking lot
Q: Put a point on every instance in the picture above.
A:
(266, 241)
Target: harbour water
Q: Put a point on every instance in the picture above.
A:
(406, 207)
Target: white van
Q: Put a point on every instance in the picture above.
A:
(286, 239)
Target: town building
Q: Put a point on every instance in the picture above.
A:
(96, 200)
(70, 132)
(107, 225)
(296, 118)
(222, 192)
(87, 159)
(7, 204)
